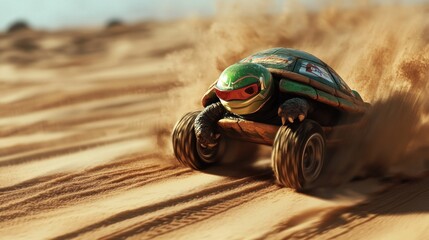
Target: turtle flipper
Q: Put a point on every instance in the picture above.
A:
(294, 109)
(205, 124)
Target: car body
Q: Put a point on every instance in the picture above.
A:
(298, 149)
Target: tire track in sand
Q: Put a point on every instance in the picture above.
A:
(207, 209)
(95, 94)
(204, 204)
(65, 150)
(57, 178)
(75, 188)
(71, 179)
(55, 125)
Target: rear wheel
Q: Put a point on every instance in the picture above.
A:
(186, 149)
(298, 155)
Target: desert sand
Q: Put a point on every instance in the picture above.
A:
(86, 117)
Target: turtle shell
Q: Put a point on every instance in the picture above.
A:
(303, 74)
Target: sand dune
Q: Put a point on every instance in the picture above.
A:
(86, 117)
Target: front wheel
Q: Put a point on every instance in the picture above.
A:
(186, 149)
(298, 155)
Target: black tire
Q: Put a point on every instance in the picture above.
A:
(186, 149)
(298, 155)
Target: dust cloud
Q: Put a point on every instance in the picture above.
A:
(381, 50)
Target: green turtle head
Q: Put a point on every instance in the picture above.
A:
(243, 88)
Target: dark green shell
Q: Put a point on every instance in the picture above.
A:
(272, 55)
(327, 87)
(320, 83)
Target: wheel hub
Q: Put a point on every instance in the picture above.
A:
(210, 154)
(312, 157)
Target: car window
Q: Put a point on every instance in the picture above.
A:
(273, 61)
(316, 72)
(343, 85)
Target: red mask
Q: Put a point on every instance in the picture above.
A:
(239, 94)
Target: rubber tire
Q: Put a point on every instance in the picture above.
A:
(288, 150)
(185, 146)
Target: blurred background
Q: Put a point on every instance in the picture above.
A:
(54, 15)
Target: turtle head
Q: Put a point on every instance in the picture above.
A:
(243, 88)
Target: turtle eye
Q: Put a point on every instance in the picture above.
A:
(250, 90)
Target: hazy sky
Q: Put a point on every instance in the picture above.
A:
(54, 14)
(68, 13)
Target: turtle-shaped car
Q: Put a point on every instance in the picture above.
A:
(282, 97)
